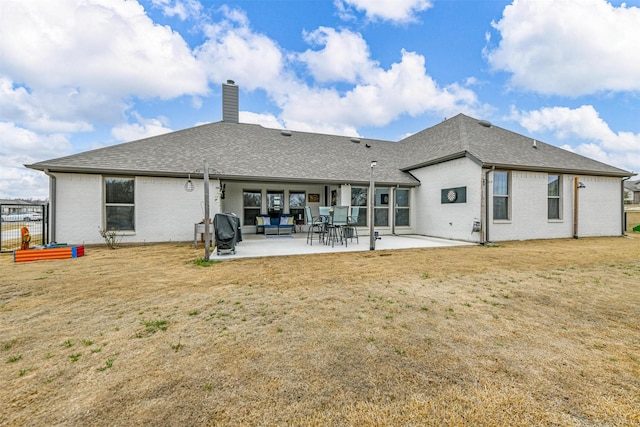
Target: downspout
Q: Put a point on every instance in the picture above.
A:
(52, 207)
(575, 207)
(623, 223)
(392, 209)
(486, 205)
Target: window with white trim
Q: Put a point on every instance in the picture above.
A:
(119, 203)
(251, 206)
(297, 201)
(402, 207)
(359, 197)
(553, 197)
(381, 211)
(501, 190)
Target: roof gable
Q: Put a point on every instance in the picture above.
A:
(495, 146)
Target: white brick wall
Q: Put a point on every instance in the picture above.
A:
(448, 220)
(164, 211)
(599, 205)
(78, 208)
(599, 208)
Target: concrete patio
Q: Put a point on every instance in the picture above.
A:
(257, 245)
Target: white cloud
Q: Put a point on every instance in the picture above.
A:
(19, 146)
(95, 46)
(569, 47)
(344, 57)
(234, 51)
(20, 183)
(183, 9)
(397, 11)
(405, 88)
(18, 141)
(144, 128)
(598, 141)
(265, 119)
(341, 56)
(49, 113)
(102, 56)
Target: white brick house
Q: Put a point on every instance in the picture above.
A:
(460, 179)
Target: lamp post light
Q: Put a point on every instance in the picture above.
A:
(372, 189)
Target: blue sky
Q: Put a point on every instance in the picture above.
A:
(77, 75)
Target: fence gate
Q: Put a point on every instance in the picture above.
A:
(14, 217)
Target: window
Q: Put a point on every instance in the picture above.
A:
(402, 207)
(381, 211)
(275, 202)
(119, 202)
(251, 205)
(501, 195)
(359, 198)
(296, 204)
(553, 197)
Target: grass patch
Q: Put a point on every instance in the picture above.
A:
(14, 359)
(153, 326)
(200, 262)
(8, 345)
(108, 365)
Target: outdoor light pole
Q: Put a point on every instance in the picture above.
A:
(372, 196)
(207, 233)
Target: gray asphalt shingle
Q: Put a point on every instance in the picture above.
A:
(252, 152)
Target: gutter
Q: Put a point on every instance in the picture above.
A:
(623, 222)
(52, 206)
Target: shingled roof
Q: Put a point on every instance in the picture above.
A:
(251, 152)
(491, 145)
(243, 152)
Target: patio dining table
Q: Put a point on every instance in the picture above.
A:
(335, 222)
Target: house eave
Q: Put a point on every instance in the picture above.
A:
(454, 156)
(549, 169)
(213, 174)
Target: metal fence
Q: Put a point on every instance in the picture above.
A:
(15, 217)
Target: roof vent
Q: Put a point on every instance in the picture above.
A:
(285, 132)
(356, 140)
(484, 123)
(535, 144)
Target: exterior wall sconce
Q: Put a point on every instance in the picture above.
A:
(581, 184)
(189, 186)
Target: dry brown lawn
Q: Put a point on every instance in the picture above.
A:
(525, 333)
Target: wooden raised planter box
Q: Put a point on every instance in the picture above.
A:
(24, 255)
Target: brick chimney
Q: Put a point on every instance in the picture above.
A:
(230, 104)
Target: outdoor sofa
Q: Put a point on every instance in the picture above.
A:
(283, 224)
